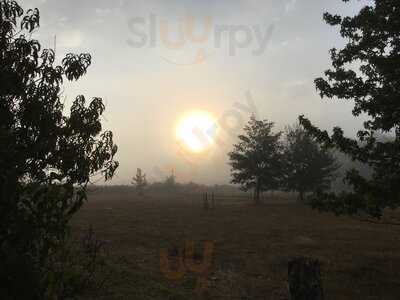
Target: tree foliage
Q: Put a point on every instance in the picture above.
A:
(308, 166)
(170, 182)
(139, 181)
(47, 155)
(367, 72)
(256, 160)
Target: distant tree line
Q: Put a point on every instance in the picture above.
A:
(171, 185)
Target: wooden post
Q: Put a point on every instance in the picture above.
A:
(212, 200)
(305, 279)
(205, 199)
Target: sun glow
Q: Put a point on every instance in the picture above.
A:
(196, 131)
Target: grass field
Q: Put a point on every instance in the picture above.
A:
(252, 246)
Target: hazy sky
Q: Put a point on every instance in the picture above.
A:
(232, 55)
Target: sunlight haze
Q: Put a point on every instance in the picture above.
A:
(156, 61)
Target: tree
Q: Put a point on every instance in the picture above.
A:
(309, 167)
(256, 160)
(47, 155)
(139, 181)
(366, 71)
(170, 182)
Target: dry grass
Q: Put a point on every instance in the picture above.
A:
(252, 248)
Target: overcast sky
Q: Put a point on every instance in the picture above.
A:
(239, 57)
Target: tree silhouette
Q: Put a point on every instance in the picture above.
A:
(170, 182)
(366, 71)
(309, 167)
(139, 181)
(256, 160)
(47, 155)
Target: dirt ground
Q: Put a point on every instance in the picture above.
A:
(251, 248)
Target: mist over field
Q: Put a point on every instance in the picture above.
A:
(149, 84)
(181, 149)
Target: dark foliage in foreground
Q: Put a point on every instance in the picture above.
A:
(367, 72)
(47, 156)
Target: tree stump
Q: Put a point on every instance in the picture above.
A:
(304, 279)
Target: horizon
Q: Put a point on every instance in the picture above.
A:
(235, 59)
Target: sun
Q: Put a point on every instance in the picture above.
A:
(196, 131)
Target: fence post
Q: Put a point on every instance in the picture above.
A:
(304, 279)
(205, 199)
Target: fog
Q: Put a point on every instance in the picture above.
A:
(252, 57)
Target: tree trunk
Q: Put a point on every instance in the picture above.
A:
(205, 201)
(258, 196)
(304, 278)
(257, 192)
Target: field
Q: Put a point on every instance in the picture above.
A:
(252, 246)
